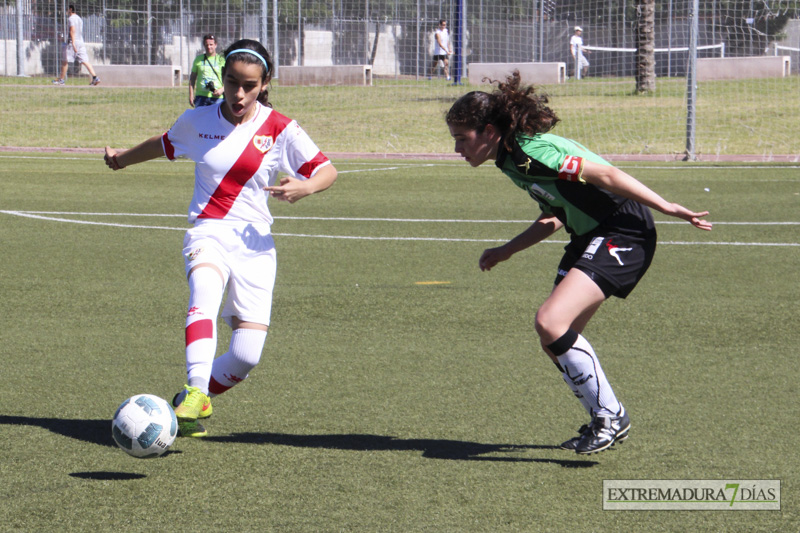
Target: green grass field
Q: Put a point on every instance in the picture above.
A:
(382, 403)
(742, 117)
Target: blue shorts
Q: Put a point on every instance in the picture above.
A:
(200, 101)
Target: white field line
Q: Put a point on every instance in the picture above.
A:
(369, 219)
(397, 166)
(50, 216)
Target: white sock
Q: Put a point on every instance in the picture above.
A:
(233, 366)
(205, 297)
(577, 393)
(576, 356)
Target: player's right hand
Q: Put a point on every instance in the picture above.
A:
(492, 256)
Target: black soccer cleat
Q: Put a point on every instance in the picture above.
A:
(572, 443)
(603, 432)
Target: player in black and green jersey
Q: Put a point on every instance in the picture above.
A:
(605, 211)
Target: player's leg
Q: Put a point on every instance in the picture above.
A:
(207, 274)
(446, 63)
(244, 353)
(247, 310)
(572, 303)
(577, 325)
(206, 286)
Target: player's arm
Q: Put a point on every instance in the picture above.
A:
(149, 149)
(619, 182)
(72, 38)
(292, 189)
(543, 227)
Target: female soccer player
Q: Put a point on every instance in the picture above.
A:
(605, 211)
(239, 145)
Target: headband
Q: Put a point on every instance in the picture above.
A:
(248, 51)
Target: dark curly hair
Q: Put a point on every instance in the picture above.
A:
(512, 108)
(268, 67)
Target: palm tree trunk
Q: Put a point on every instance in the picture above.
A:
(645, 46)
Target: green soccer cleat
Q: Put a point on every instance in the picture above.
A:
(191, 404)
(191, 428)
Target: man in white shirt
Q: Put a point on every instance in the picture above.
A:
(577, 51)
(74, 49)
(441, 49)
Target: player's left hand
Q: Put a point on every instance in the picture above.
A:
(290, 190)
(694, 218)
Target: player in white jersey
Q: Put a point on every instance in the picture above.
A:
(578, 52)
(239, 145)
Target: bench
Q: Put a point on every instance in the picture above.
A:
(538, 73)
(325, 75)
(139, 75)
(732, 68)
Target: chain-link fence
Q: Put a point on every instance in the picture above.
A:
(394, 36)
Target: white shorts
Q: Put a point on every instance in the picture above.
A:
(70, 55)
(245, 254)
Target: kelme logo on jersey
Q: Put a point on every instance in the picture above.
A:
(263, 143)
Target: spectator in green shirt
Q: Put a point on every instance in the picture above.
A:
(205, 82)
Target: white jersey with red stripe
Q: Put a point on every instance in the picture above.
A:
(234, 163)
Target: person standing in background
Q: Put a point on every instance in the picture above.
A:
(205, 82)
(441, 49)
(74, 49)
(581, 64)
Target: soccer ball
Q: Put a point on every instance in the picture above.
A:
(144, 426)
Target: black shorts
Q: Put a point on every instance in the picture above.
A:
(616, 254)
(440, 58)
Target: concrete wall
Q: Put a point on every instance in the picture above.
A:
(734, 68)
(530, 73)
(36, 54)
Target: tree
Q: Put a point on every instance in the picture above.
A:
(749, 26)
(645, 46)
